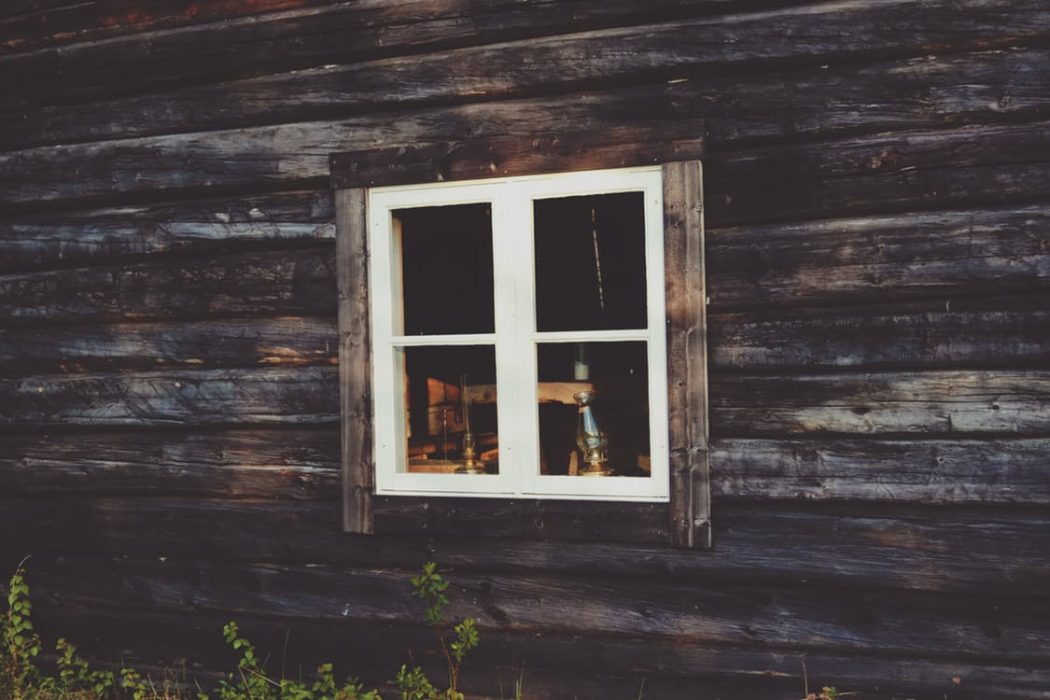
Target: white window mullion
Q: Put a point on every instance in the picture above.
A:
(506, 231)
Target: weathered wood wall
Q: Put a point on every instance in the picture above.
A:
(878, 231)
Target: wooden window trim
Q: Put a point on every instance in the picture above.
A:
(685, 522)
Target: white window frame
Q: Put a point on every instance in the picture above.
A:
(515, 337)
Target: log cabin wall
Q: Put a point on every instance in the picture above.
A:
(878, 228)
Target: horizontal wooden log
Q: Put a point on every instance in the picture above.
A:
(986, 332)
(998, 164)
(214, 464)
(292, 464)
(547, 662)
(1008, 402)
(275, 40)
(341, 31)
(276, 282)
(991, 629)
(886, 173)
(1004, 332)
(935, 403)
(945, 549)
(303, 395)
(508, 156)
(879, 258)
(38, 24)
(314, 206)
(39, 245)
(928, 471)
(263, 342)
(926, 91)
(297, 155)
(557, 520)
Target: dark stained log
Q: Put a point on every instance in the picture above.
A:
(926, 91)
(528, 154)
(686, 304)
(343, 31)
(297, 155)
(990, 629)
(893, 172)
(671, 669)
(985, 332)
(1002, 163)
(262, 342)
(927, 471)
(936, 403)
(938, 550)
(591, 521)
(276, 282)
(357, 464)
(312, 206)
(300, 395)
(352, 33)
(39, 245)
(58, 22)
(252, 45)
(299, 464)
(879, 258)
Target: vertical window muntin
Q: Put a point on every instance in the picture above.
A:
(515, 338)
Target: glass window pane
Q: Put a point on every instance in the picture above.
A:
(594, 409)
(450, 410)
(590, 262)
(446, 269)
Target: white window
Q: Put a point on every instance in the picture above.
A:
(518, 337)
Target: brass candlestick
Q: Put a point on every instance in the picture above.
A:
(471, 465)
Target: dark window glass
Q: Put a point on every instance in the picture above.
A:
(590, 262)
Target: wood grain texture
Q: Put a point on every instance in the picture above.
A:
(25, 246)
(304, 464)
(273, 42)
(986, 164)
(274, 283)
(889, 471)
(978, 403)
(345, 31)
(928, 90)
(253, 342)
(862, 259)
(529, 518)
(755, 615)
(858, 547)
(686, 308)
(562, 148)
(934, 403)
(304, 395)
(285, 464)
(355, 362)
(675, 670)
(867, 259)
(967, 332)
(28, 26)
(883, 173)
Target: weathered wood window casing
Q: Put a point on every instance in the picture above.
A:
(678, 508)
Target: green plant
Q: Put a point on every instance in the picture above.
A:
(20, 678)
(76, 675)
(413, 682)
(251, 681)
(21, 645)
(826, 693)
